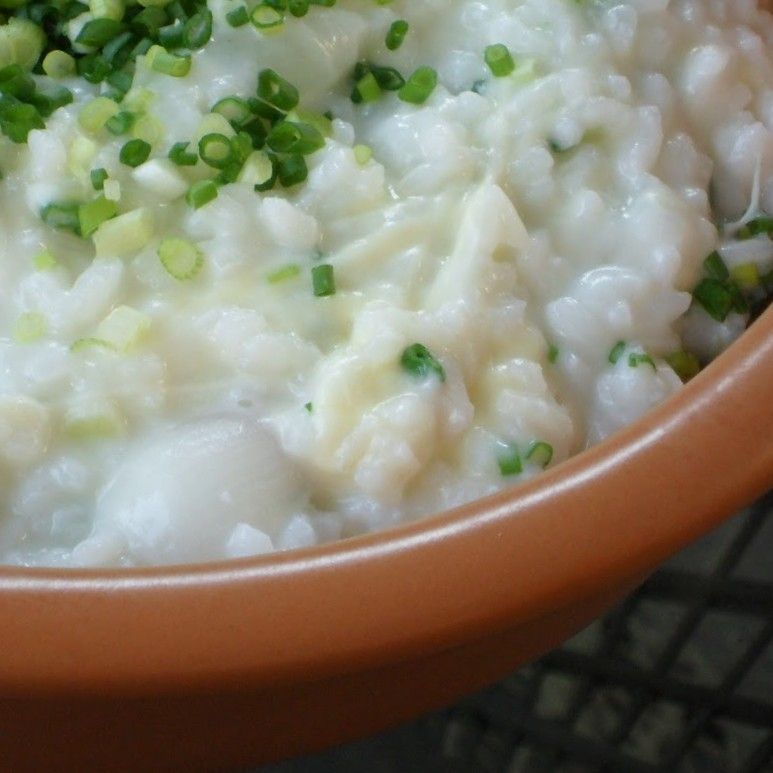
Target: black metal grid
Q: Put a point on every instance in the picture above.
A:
(677, 679)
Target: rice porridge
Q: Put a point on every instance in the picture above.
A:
(278, 274)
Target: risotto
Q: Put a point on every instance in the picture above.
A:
(278, 274)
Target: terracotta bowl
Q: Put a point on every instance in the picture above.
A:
(230, 664)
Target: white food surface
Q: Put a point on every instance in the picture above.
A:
(570, 205)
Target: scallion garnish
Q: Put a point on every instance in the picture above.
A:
(684, 364)
(323, 280)
(179, 154)
(499, 59)
(182, 259)
(396, 35)
(715, 267)
(289, 137)
(265, 18)
(134, 152)
(540, 453)
(98, 177)
(121, 122)
(92, 214)
(291, 170)
(238, 17)
(419, 86)
(216, 150)
(641, 358)
(419, 361)
(201, 193)
(715, 297)
(616, 352)
(756, 227)
(553, 353)
(61, 215)
(284, 273)
(509, 461)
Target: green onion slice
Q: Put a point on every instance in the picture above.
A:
(420, 362)
(182, 259)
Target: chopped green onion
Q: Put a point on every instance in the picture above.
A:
(125, 234)
(266, 19)
(309, 407)
(134, 153)
(178, 154)
(715, 267)
(238, 17)
(97, 32)
(641, 358)
(198, 29)
(419, 86)
(553, 354)
(540, 453)
(284, 273)
(362, 154)
(291, 170)
(182, 259)
(216, 150)
(715, 297)
(387, 78)
(123, 328)
(366, 89)
(756, 227)
(95, 114)
(121, 122)
(276, 91)
(323, 280)
(92, 214)
(160, 60)
(509, 461)
(235, 110)
(61, 215)
(420, 362)
(616, 352)
(499, 60)
(107, 9)
(298, 8)
(201, 193)
(257, 170)
(746, 275)
(288, 137)
(92, 342)
(30, 327)
(684, 364)
(58, 64)
(396, 35)
(98, 177)
(44, 261)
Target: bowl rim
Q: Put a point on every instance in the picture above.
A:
(602, 517)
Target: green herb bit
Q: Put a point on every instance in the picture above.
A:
(266, 19)
(323, 280)
(540, 453)
(182, 259)
(284, 273)
(92, 214)
(396, 35)
(509, 461)
(499, 60)
(420, 362)
(756, 227)
(553, 353)
(276, 91)
(198, 29)
(30, 327)
(98, 177)
(160, 60)
(616, 352)
(201, 193)
(120, 123)
(309, 407)
(746, 275)
(715, 297)
(641, 358)
(178, 154)
(291, 170)
(684, 364)
(62, 215)
(366, 89)
(289, 137)
(44, 261)
(715, 267)
(216, 150)
(238, 17)
(97, 32)
(419, 86)
(134, 152)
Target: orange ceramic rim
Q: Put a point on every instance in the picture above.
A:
(605, 516)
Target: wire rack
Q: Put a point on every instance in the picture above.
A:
(677, 679)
